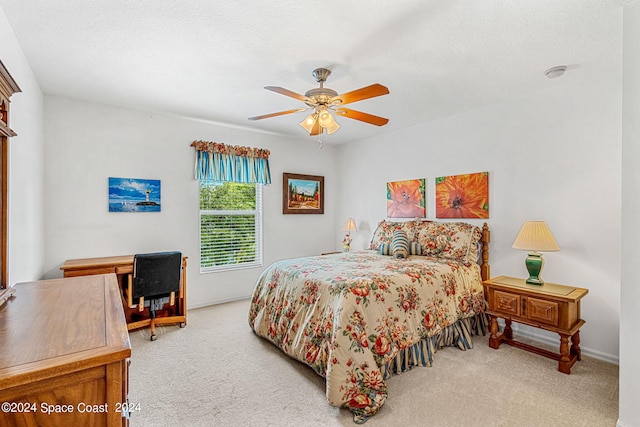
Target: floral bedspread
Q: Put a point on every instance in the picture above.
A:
(349, 315)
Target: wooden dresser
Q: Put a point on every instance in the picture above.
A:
(64, 349)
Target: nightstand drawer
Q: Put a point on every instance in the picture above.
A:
(542, 311)
(507, 303)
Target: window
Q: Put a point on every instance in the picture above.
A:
(230, 225)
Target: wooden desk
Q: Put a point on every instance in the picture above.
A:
(549, 306)
(122, 266)
(64, 342)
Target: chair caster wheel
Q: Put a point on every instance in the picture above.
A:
(182, 324)
(153, 337)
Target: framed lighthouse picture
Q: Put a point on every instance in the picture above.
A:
(134, 195)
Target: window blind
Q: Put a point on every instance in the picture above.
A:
(230, 225)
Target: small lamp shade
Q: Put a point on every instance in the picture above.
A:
(325, 118)
(309, 122)
(349, 225)
(334, 127)
(535, 236)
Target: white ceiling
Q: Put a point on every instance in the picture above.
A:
(210, 59)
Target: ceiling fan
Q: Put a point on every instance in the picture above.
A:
(323, 101)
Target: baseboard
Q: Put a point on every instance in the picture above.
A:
(216, 302)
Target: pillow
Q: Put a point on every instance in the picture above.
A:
(415, 248)
(385, 249)
(385, 229)
(383, 233)
(400, 244)
(452, 240)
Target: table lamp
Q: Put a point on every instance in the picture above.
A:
(349, 226)
(535, 236)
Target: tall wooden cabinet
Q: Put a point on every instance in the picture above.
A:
(8, 87)
(64, 350)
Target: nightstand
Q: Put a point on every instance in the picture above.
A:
(550, 306)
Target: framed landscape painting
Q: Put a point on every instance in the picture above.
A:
(134, 195)
(406, 199)
(463, 196)
(302, 194)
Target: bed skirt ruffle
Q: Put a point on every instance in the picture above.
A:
(421, 354)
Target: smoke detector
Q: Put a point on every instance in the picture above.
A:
(554, 72)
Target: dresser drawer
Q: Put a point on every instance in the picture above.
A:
(507, 303)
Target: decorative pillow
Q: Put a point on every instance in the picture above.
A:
(415, 248)
(385, 249)
(400, 244)
(384, 231)
(453, 240)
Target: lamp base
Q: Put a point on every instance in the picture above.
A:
(535, 281)
(534, 264)
(346, 243)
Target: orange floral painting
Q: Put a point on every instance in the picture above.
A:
(406, 199)
(463, 196)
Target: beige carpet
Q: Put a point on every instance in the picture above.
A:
(216, 372)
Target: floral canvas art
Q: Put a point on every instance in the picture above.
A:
(463, 196)
(406, 199)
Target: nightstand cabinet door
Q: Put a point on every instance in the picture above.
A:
(535, 310)
(539, 310)
(552, 306)
(507, 303)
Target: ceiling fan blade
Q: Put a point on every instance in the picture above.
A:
(280, 113)
(359, 94)
(287, 92)
(363, 117)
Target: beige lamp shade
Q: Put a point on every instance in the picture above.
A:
(535, 236)
(349, 225)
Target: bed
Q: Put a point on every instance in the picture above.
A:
(356, 318)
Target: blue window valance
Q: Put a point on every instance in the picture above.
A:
(222, 162)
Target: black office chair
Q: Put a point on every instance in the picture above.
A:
(154, 283)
